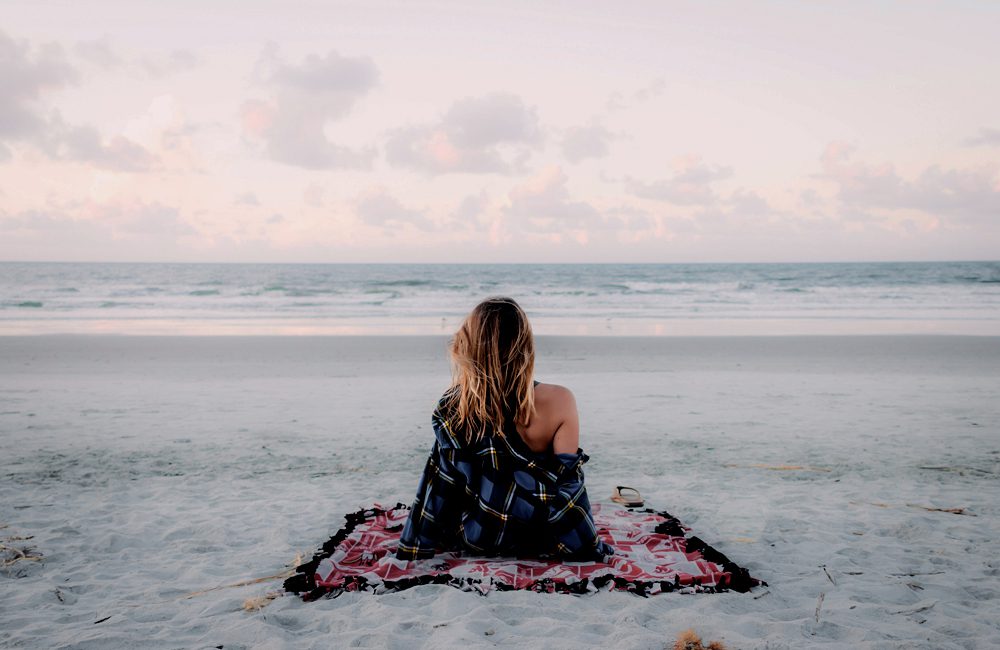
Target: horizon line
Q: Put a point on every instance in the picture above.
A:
(236, 263)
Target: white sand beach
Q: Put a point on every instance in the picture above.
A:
(146, 469)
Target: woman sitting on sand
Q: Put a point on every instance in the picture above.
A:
(504, 476)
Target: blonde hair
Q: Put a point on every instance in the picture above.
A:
(493, 364)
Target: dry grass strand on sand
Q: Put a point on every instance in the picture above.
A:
(257, 603)
(11, 555)
(689, 640)
(952, 511)
(781, 468)
(243, 583)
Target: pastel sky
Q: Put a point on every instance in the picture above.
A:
(504, 132)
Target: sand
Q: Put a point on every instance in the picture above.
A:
(148, 468)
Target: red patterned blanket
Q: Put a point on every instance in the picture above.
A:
(653, 554)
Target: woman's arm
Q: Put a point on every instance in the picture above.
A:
(436, 511)
(567, 436)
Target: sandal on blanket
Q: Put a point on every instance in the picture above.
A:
(628, 497)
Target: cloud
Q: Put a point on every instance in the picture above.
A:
(654, 89)
(965, 195)
(170, 63)
(617, 101)
(127, 231)
(969, 193)
(157, 139)
(742, 211)
(120, 220)
(544, 204)
(495, 133)
(809, 198)
(144, 219)
(584, 142)
(38, 234)
(313, 195)
(543, 209)
(306, 96)
(696, 204)
(471, 208)
(246, 198)
(985, 138)
(491, 120)
(24, 77)
(103, 54)
(345, 77)
(378, 208)
(747, 203)
(99, 52)
(85, 144)
(629, 220)
(691, 183)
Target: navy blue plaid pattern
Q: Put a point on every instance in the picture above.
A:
(497, 497)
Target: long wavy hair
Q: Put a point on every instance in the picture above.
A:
(493, 365)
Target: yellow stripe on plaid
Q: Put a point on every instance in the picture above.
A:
(570, 504)
(447, 427)
(493, 511)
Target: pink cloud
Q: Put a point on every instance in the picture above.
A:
(690, 184)
(963, 195)
(257, 117)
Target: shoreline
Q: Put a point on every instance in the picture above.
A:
(708, 327)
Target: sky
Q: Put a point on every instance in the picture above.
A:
(320, 131)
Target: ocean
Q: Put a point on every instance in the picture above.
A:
(584, 299)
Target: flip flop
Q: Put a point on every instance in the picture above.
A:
(628, 497)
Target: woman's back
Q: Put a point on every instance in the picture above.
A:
(555, 427)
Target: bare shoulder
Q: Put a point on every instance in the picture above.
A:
(554, 398)
(556, 408)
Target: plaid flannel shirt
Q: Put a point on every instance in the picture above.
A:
(497, 497)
